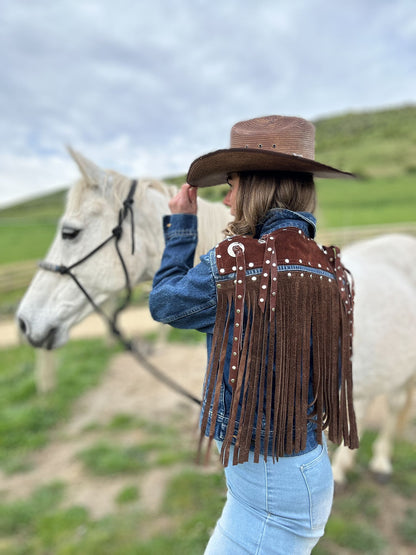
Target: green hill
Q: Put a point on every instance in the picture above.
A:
(371, 144)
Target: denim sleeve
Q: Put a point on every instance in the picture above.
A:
(183, 296)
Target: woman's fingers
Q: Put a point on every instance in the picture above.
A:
(185, 200)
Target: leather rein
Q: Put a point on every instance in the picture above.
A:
(112, 321)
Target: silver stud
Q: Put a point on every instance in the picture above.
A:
(237, 325)
(273, 309)
(301, 275)
(289, 274)
(232, 380)
(250, 264)
(300, 261)
(240, 281)
(262, 300)
(218, 285)
(239, 296)
(218, 256)
(265, 274)
(240, 268)
(267, 261)
(254, 278)
(287, 260)
(269, 249)
(234, 268)
(234, 368)
(222, 271)
(274, 293)
(264, 286)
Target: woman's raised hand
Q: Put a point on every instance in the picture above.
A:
(185, 200)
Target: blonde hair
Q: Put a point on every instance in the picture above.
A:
(258, 193)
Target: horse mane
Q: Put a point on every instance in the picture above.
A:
(117, 186)
(121, 186)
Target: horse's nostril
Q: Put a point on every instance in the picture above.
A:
(22, 325)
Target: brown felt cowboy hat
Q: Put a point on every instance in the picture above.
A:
(270, 143)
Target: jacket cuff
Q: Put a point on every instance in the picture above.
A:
(175, 225)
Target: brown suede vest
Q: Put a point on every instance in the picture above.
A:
(302, 294)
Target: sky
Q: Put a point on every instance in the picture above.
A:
(145, 86)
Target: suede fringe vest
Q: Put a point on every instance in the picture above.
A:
(302, 297)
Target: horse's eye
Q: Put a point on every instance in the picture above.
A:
(69, 233)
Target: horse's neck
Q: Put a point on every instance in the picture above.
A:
(150, 207)
(152, 204)
(212, 220)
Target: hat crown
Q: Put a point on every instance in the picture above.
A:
(289, 135)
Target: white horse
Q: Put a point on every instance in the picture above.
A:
(384, 270)
(384, 363)
(53, 303)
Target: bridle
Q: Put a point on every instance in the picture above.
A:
(112, 321)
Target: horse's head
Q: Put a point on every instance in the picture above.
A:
(53, 302)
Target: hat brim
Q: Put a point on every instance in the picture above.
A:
(213, 168)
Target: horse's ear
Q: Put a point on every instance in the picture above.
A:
(93, 174)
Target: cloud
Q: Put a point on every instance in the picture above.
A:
(146, 87)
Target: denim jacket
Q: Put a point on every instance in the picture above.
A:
(184, 295)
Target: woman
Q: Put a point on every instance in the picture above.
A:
(277, 311)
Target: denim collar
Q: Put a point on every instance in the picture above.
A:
(278, 218)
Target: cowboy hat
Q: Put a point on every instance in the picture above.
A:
(270, 143)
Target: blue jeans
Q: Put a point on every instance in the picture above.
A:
(275, 508)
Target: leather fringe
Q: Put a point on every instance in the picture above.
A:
(286, 320)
